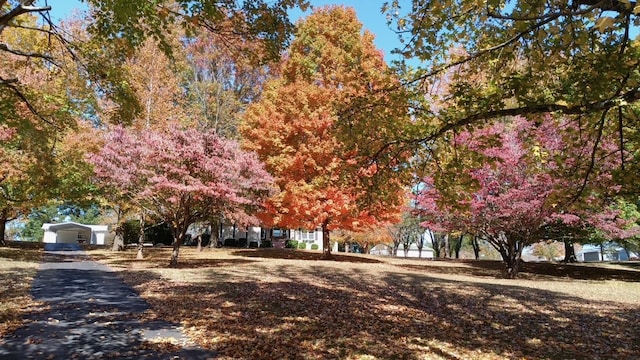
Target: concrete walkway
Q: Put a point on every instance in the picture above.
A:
(92, 315)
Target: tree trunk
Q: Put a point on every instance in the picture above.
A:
(3, 224)
(140, 254)
(118, 240)
(432, 236)
(458, 246)
(511, 255)
(476, 247)
(435, 243)
(218, 238)
(176, 251)
(512, 267)
(326, 243)
(569, 252)
(444, 246)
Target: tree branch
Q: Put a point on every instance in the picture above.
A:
(592, 160)
(10, 83)
(607, 5)
(542, 20)
(5, 47)
(23, 8)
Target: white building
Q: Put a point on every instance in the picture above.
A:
(74, 233)
(254, 236)
(413, 252)
(606, 252)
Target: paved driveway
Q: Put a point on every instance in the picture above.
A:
(92, 315)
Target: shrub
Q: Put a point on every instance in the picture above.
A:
(291, 244)
(266, 244)
(302, 246)
(314, 247)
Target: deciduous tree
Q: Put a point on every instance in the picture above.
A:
(319, 128)
(29, 149)
(406, 232)
(575, 59)
(120, 26)
(221, 81)
(182, 176)
(519, 187)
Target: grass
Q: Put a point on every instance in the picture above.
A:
(18, 265)
(280, 303)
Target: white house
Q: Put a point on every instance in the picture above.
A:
(254, 236)
(74, 233)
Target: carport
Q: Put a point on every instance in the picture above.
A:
(74, 233)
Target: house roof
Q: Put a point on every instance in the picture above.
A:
(70, 225)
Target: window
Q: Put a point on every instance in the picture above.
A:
(307, 236)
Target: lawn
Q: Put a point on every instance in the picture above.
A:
(18, 265)
(279, 304)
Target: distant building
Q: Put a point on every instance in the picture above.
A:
(605, 252)
(255, 236)
(413, 252)
(74, 233)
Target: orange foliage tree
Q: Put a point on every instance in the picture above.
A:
(328, 129)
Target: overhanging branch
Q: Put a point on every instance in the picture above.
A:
(5, 47)
(11, 84)
(23, 8)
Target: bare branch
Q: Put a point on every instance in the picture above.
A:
(23, 8)
(592, 160)
(4, 47)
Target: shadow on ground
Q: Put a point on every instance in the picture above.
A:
(92, 314)
(323, 311)
(529, 270)
(292, 254)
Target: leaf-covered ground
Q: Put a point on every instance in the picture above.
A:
(18, 265)
(287, 304)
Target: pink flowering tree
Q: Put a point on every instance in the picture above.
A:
(519, 178)
(182, 176)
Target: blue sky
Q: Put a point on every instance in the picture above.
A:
(368, 12)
